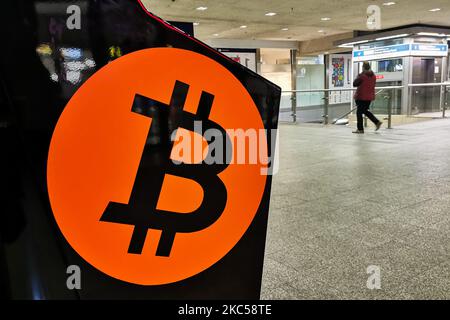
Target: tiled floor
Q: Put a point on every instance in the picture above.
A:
(341, 203)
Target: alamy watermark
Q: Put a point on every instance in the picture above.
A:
(229, 147)
(74, 20)
(374, 280)
(73, 281)
(373, 17)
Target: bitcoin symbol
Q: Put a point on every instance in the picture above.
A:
(141, 211)
(119, 192)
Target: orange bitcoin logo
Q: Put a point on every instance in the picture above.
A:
(118, 197)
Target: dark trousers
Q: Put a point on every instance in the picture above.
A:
(363, 109)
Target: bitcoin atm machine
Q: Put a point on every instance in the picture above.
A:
(119, 172)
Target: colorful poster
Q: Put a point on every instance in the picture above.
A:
(340, 66)
(338, 72)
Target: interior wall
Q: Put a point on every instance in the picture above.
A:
(276, 67)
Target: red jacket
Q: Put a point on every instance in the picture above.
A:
(366, 86)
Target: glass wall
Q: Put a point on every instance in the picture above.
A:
(310, 76)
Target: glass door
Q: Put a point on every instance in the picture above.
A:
(426, 99)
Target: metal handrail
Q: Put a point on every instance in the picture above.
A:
(441, 84)
(354, 109)
(354, 89)
(445, 85)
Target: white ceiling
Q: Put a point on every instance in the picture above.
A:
(223, 18)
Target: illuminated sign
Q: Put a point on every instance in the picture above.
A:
(434, 50)
(123, 198)
(400, 50)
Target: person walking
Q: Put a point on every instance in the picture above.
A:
(365, 94)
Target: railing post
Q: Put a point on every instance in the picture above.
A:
(293, 58)
(294, 106)
(444, 104)
(390, 110)
(326, 107)
(327, 88)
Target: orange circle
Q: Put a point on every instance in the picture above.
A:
(96, 149)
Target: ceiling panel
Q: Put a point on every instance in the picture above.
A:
(223, 18)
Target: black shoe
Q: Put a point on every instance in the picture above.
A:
(379, 124)
(358, 132)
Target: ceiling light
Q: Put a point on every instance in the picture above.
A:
(387, 4)
(243, 27)
(196, 23)
(271, 14)
(359, 42)
(201, 8)
(285, 29)
(351, 44)
(432, 34)
(325, 19)
(393, 37)
(435, 10)
(215, 34)
(321, 31)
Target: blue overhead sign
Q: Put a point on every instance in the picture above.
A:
(430, 48)
(401, 50)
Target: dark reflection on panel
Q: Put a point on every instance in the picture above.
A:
(42, 64)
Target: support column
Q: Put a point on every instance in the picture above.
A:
(258, 61)
(407, 95)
